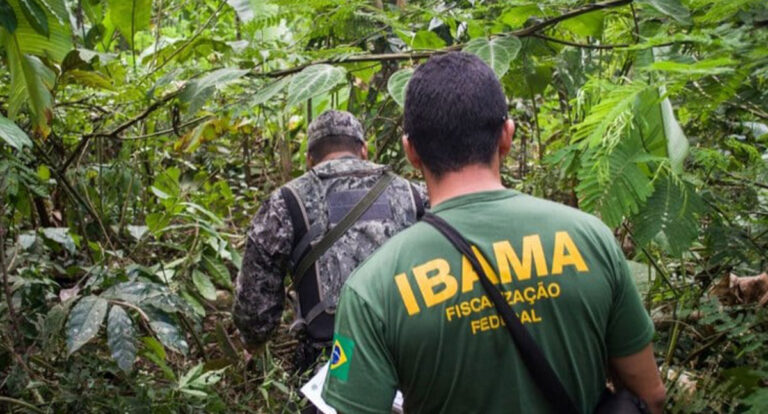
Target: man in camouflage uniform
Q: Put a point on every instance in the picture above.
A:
(339, 177)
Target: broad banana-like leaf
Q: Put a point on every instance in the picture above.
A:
(84, 321)
(313, 81)
(7, 17)
(130, 16)
(36, 16)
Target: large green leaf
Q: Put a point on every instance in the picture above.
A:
(609, 118)
(204, 285)
(669, 216)
(7, 17)
(313, 81)
(587, 24)
(84, 321)
(517, 16)
(168, 333)
(13, 135)
(398, 84)
(426, 39)
(218, 271)
(121, 338)
(671, 8)
(497, 53)
(130, 16)
(197, 91)
(677, 143)
(268, 92)
(36, 16)
(56, 45)
(612, 184)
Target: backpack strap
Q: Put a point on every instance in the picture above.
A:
(418, 203)
(341, 227)
(298, 215)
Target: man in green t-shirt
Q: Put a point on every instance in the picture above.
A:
(414, 316)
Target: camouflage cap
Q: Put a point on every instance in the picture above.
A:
(334, 122)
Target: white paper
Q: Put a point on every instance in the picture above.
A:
(314, 388)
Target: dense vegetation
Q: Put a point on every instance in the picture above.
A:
(137, 136)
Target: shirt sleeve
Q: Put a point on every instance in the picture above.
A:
(630, 328)
(259, 289)
(362, 376)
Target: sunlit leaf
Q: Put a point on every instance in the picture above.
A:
(130, 16)
(36, 16)
(121, 338)
(84, 321)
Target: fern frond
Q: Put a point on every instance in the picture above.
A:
(669, 215)
(612, 184)
(608, 119)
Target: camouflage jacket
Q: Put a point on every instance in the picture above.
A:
(260, 290)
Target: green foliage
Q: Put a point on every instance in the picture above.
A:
(13, 135)
(85, 321)
(138, 138)
(398, 84)
(121, 338)
(497, 52)
(313, 81)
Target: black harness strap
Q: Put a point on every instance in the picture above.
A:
(299, 218)
(339, 229)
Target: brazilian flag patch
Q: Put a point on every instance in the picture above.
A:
(343, 349)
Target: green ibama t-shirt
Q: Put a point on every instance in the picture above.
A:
(415, 317)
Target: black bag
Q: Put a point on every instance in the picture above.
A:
(622, 402)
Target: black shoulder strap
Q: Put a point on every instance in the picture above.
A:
(535, 360)
(341, 227)
(417, 201)
(296, 211)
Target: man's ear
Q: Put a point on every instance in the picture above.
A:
(310, 161)
(411, 154)
(364, 151)
(505, 140)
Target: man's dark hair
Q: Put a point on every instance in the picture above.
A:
(333, 143)
(454, 112)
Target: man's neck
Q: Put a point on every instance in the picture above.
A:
(470, 179)
(336, 156)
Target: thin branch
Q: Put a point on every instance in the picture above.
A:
(582, 45)
(189, 41)
(524, 32)
(169, 130)
(116, 131)
(21, 403)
